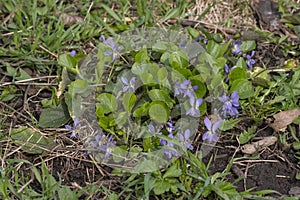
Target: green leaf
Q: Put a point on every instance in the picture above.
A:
(142, 56)
(178, 59)
(143, 11)
(193, 32)
(229, 124)
(162, 74)
(161, 186)
(148, 143)
(54, 117)
(142, 110)
(8, 94)
(217, 50)
(159, 111)
(66, 193)
(173, 171)
(74, 104)
(23, 75)
(160, 47)
(247, 135)
(296, 145)
(119, 153)
(153, 69)
(145, 166)
(108, 102)
(67, 61)
(121, 118)
(147, 78)
(37, 174)
(31, 141)
(238, 73)
(78, 86)
(161, 95)
(243, 87)
(277, 99)
(149, 183)
(198, 81)
(106, 122)
(128, 101)
(241, 63)
(113, 196)
(111, 12)
(247, 46)
(11, 71)
(141, 4)
(172, 13)
(139, 69)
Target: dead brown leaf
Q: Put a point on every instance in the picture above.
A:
(68, 19)
(294, 191)
(257, 146)
(284, 118)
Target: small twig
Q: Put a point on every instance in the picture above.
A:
(97, 166)
(53, 54)
(255, 161)
(11, 33)
(25, 81)
(88, 11)
(24, 186)
(187, 22)
(10, 16)
(245, 176)
(14, 110)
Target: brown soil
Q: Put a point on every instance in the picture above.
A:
(275, 169)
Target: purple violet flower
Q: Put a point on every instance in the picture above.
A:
(170, 126)
(194, 110)
(102, 145)
(129, 85)
(185, 88)
(153, 130)
(230, 106)
(226, 69)
(180, 88)
(236, 48)
(72, 53)
(197, 39)
(184, 137)
(250, 62)
(168, 151)
(107, 148)
(72, 128)
(200, 38)
(211, 134)
(111, 44)
(163, 142)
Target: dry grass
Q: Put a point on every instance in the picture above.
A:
(228, 13)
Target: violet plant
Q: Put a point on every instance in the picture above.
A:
(151, 96)
(73, 128)
(110, 43)
(212, 134)
(184, 138)
(103, 145)
(250, 61)
(230, 104)
(128, 84)
(236, 47)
